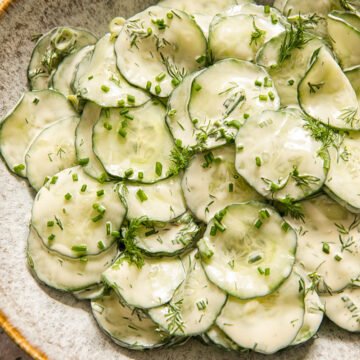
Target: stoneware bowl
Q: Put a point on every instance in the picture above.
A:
(49, 324)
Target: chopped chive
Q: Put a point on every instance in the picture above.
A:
(102, 178)
(141, 195)
(151, 232)
(83, 161)
(128, 172)
(68, 196)
(267, 9)
(258, 223)
(101, 209)
(124, 124)
(100, 192)
(149, 31)
(90, 77)
(107, 113)
(46, 179)
(157, 89)
(36, 101)
(83, 188)
(194, 121)
(258, 161)
(19, 168)
(160, 77)
(267, 82)
(129, 116)
(105, 88)
(264, 214)
(158, 168)
(148, 85)
(254, 259)
(124, 112)
(337, 257)
(260, 270)
(50, 224)
(175, 82)
(263, 97)
(240, 147)
(326, 248)
(201, 59)
(130, 99)
(97, 218)
(246, 116)
(169, 15)
(291, 82)
(234, 123)
(84, 260)
(285, 226)
(107, 126)
(115, 234)
(271, 95)
(231, 187)
(140, 175)
(197, 87)
(219, 225)
(213, 230)
(178, 143)
(122, 132)
(258, 83)
(79, 248)
(75, 177)
(267, 271)
(108, 228)
(95, 206)
(274, 19)
(121, 103)
(51, 237)
(100, 245)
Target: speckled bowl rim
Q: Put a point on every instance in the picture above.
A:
(9, 329)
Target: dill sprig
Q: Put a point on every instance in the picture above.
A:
(174, 71)
(257, 34)
(292, 208)
(180, 158)
(350, 5)
(174, 318)
(132, 253)
(348, 115)
(303, 181)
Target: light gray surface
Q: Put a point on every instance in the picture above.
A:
(54, 322)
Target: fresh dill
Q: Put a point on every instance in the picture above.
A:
(257, 34)
(346, 244)
(290, 207)
(174, 71)
(318, 283)
(345, 231)
(180, 158)
(348, 115)
(174, 318)
(135, 30)
(314, 87)
(303, 181)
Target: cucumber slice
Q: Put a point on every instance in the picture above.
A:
(151, 285)
(286, 162)
(208, 7)
(265, 324)
(34, 111)
(354, 77)
(134, 145)
(155, 50)
(52, 48)
(225, 93)
(288, 74)
(52, 151)
(163, 201)
(216, 336)
(64, 75)
(211, 182)
(71, 213)
(83, 142)
(98, 79)
(204, 22)
(326, 94)
(314, 311)
(179, 122)
(195, 304)
(344, 38)
(167, 239)
(246, 251)
(126, 326)
(254, 31)
(342, 182)
(328, 248)
(279, 4)
(41, 81)
(63, 273)
(90, 293)
(343, 308)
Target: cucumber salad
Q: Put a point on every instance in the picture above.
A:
(196, 171)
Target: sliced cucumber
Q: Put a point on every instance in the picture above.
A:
(254, 31)
(279, 4)
(34, 111)
(286, 162)
(288, 73)
(343, 308)
(151, 285)
(167, 239)
(158, 47)
(134, 145)
(216, 336)
(53, 150)
(41, 81)
(64, 75)
(208, 7)
(52, 48)
(90, 293)
(163, 201)
(246, 251)
(342, 182)
(98, 79)
(63, 273)
(265, 324)
(211, 182)
(204, 22)
(354, 77)
(128, 327)
(195, 305)
(345, 36)
(83, 142)
(328, 248)
(225, 93)
(72, 211)
(326, 94)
